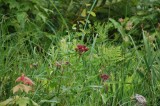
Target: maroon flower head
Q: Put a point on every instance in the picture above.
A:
(81, 48)
(104, 77)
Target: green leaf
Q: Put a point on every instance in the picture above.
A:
(82, 22)
(6, 102)
(74, 26)
(83, 14)
(23, 101)
(55, 100)
(34, 103)
(87, 5)
(21, 18)
(119, 27)
(42, 16)
(92, 13)
(104, 98)
(96, 86)
(13, 4)
(20, 101)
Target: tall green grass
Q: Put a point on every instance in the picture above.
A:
(63, 77)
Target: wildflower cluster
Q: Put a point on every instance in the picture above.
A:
(104, 77)
(81, 49)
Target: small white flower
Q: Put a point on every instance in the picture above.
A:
(140, 99)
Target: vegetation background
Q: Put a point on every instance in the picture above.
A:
(39, 39)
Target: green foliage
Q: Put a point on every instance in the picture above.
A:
(110, 55)
(39, 37)
(20, 101)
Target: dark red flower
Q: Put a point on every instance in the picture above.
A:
(104, 77)
(81, 48)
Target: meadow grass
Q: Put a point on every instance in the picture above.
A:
(109, 72)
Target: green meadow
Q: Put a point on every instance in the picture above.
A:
(79, 53)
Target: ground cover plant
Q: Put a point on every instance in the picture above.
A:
(79, 53)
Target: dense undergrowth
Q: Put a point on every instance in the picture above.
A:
(79, 53)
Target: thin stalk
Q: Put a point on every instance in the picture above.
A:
(93, 45)
(94, 3)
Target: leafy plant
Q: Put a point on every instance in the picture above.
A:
(20, 100)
